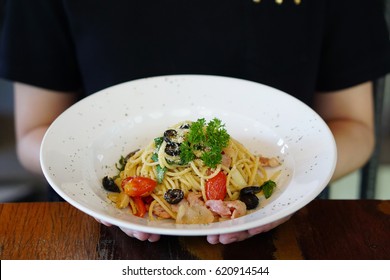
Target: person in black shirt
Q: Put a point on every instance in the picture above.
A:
(323, 52)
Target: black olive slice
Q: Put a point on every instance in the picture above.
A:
(174, 196)
(109, 185)
(172, 149)
(185, 126)
(250, 190)
(170, 135)
(251, 201)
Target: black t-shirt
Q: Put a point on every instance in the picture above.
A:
(318, 45)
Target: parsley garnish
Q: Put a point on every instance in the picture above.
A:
(205, 139)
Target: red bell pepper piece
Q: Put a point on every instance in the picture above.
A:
(140, 205)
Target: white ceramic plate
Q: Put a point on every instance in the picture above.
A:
(84, 143)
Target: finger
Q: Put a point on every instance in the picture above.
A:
(267, 227)
(103, 222)
(128, 232)
(213, 239)
(242, 235)
(141, 235)
(258, 230)
(233, 237)
(154, 238)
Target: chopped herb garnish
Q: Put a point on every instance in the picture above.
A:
(208, 138)
(155, 157)
(121, 164)
(268, 188)
(158, 141)
(159, 170)
(160, 173)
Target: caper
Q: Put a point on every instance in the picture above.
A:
(109, 185)
(174, 196)
(251, 201)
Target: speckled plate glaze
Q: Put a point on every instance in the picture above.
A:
(84, 143)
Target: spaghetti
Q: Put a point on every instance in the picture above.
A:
(202, 163)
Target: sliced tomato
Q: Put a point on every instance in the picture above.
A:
(138, 186)
(216, 187)
(140, 205)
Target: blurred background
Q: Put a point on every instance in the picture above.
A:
(16, 184)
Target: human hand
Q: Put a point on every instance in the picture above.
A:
(142, 236)
(242, 235)
(212, 239)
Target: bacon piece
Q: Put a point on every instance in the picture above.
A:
(195, 198)
(227, 209)
(227, 156)
(269, 162)
(238, 207)
(226, 160)
(159, 211)
(218, 207)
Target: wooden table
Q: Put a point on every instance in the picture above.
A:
(324, 229)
